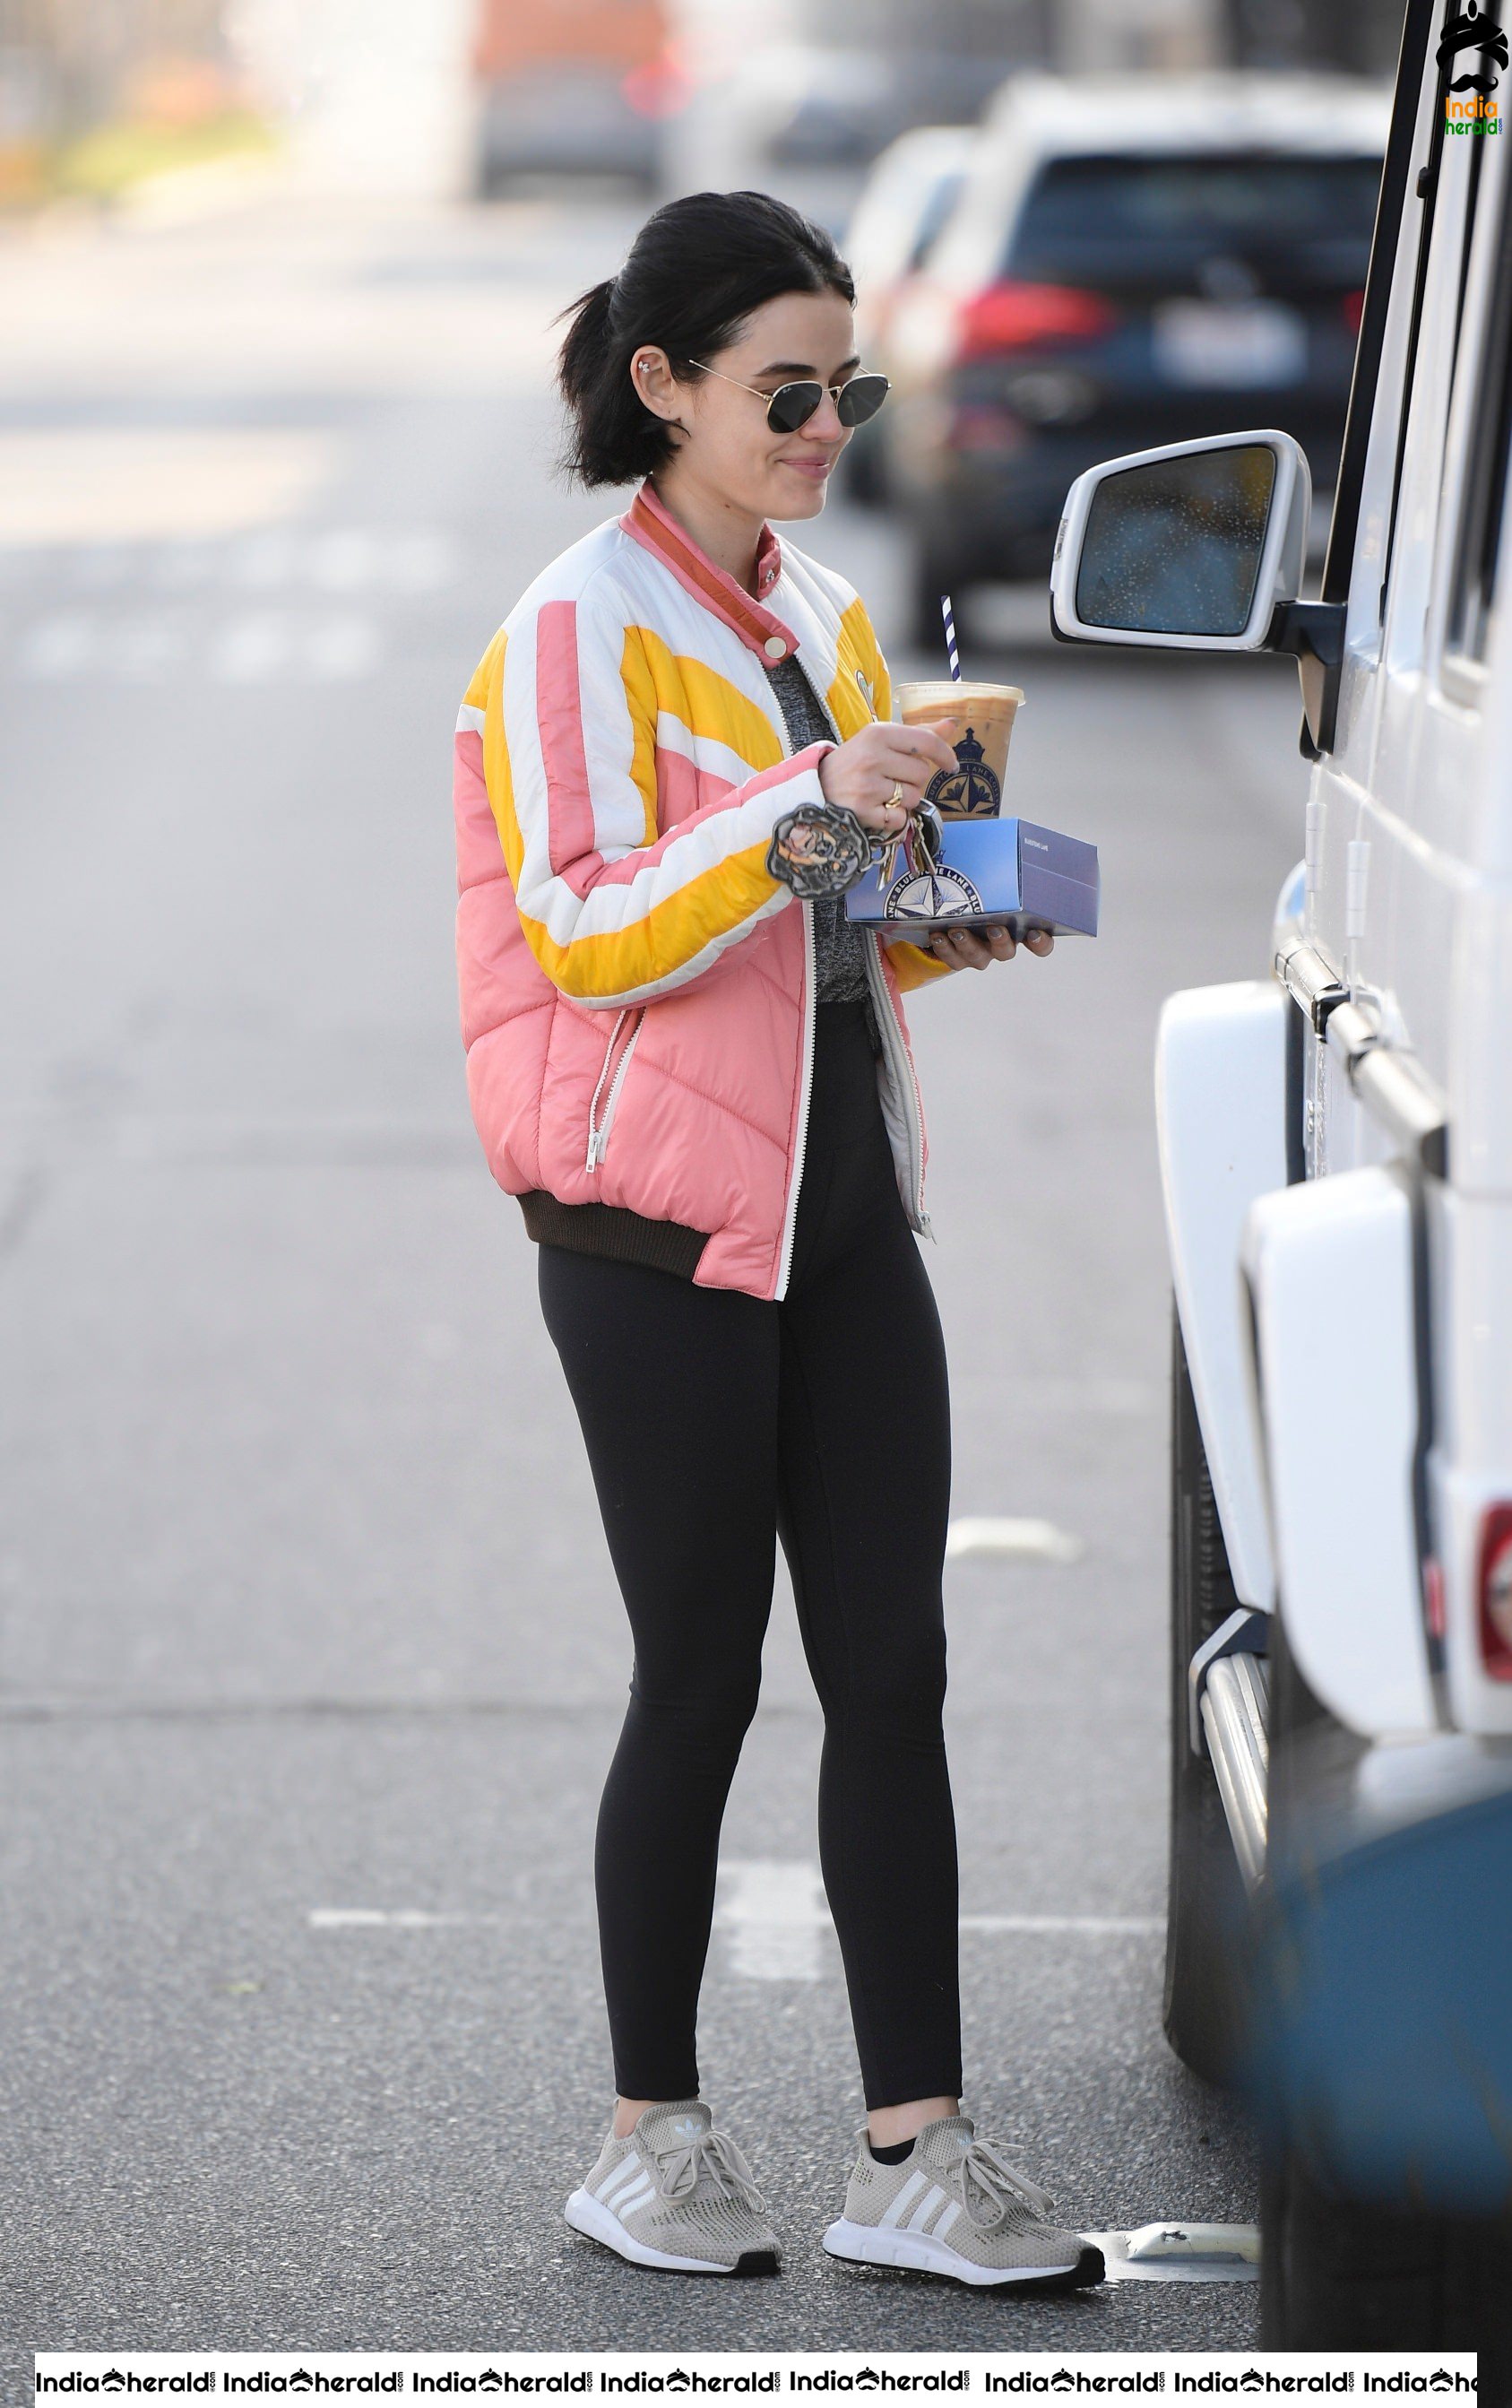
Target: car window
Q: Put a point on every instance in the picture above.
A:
(1088, 214)
(935, 213)
(1428, 192)
(1479, 540)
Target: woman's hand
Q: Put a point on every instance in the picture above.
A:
(965, 948)
(863, 773)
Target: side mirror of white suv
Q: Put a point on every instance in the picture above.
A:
(1199, 547)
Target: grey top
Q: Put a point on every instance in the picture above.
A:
(839, 945)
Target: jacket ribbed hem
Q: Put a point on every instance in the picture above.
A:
(613, 1230)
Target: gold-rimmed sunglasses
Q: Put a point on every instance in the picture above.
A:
(793, 405)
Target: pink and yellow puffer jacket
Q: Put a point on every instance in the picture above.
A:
(637, 990)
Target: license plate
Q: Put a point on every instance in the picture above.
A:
(1214, 343)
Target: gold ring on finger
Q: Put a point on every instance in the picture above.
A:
(895, 798)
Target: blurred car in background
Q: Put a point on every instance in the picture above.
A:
(902, 210)
(808, 118)
(1128, 263)
(807, 107)
(572, 87)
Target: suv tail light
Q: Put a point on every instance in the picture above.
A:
(1353, 307)
(1494, 1590)
(1013, 317)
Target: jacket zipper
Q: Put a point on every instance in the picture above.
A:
(898, 1059)
(810, 1023)
(810, 978)
(898, 1062)
(598, 1137)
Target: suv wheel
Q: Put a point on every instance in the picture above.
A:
(1337, 2275)
(1206, 1911)
(1338, 2272)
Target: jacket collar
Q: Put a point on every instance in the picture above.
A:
(650, 524)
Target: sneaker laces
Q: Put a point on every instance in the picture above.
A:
(991, 2186)
(712, 2156)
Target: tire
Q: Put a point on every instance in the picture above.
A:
(1338, 2272)
(1206, 1906)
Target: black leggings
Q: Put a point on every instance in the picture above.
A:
(716, 1422)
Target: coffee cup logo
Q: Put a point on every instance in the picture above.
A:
(971, 790)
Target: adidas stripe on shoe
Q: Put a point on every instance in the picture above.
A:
(956, 2206)
(674, 2193)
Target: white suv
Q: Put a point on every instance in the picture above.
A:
(1336, 1153)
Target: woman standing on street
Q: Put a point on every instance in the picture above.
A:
(696, 1076)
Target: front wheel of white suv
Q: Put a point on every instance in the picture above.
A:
(1339, 2272)
(1205, 1911)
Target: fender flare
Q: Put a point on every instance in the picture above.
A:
(1220, 1118)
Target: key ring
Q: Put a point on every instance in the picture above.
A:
(928, 834)
(922, 840)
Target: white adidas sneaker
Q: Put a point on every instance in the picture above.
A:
(956, 2206)
(675, 2193)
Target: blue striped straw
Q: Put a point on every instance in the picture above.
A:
(950, 645)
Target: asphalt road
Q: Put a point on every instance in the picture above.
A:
(305, 1609)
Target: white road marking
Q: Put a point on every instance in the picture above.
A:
(1096, 1927)
(251, 650)
(402, 1918)
(255, 648)
(262, 562)
(149, 649)
(58, 647)
(102, 487)
(97, 566)
(1100, 1393)
(345, 560)
(773, 1911)
(1018, 1541)
(282, 564)
(340, 649)
(177, 567)
(417, 560)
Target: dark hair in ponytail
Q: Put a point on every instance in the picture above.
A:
(695, 271)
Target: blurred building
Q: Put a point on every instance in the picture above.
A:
(1093, 36)
(980, 29)
(1360, 35)
(1081, 36)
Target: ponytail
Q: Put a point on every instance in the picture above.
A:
(608, 424)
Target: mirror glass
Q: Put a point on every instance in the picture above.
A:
(1172, 546)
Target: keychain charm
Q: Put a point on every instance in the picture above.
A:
(819, 849)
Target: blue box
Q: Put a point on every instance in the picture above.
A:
(992, 873)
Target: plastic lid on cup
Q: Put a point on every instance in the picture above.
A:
(939, 692)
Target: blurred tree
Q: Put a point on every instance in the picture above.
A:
(87, 55)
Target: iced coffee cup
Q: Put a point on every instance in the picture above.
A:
(974, 789)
